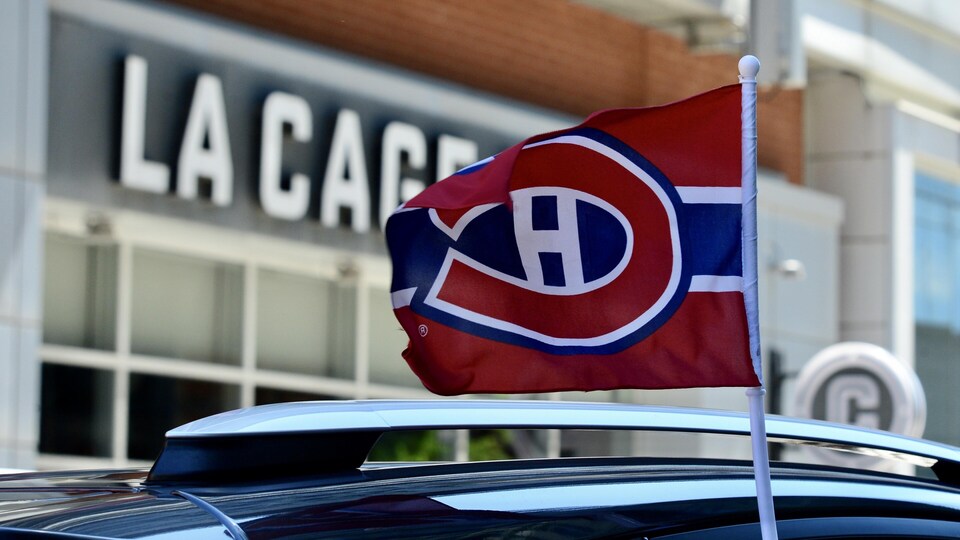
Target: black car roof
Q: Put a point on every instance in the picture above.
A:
(587, 497)
(298, 470)
(337, 436)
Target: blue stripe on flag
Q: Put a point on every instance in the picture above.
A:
(714, 238)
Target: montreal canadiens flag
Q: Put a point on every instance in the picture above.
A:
(608, 255)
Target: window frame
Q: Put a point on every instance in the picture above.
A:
(366, 273)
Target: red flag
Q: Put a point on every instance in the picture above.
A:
(608, 255)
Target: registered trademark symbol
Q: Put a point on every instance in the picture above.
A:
(423, 330)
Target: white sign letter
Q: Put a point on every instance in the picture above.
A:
(135, 171)
(345, 181)
(400, 138)
(453, 154)
(207, 122)
(853, 399)
(280, 109)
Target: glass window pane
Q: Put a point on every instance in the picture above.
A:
(158, 404)
(387, 340)
(266, 396)
(414, 446)
(76, 411)
(937, 303)
(583, 443)
(497, 444)
(305, 325)
(185, 307)
(938, 367)
(80, 289)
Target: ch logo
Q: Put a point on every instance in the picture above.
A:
(563, 244)
(548, 238)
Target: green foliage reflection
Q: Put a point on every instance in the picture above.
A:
(485, 445)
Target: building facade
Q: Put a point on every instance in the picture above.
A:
(883, 94)
(194, 191)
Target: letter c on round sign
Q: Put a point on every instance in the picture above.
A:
(863, 385)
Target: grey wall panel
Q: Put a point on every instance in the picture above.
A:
(30, 239)
(10, 261)
(19, 389)
(36, 54)
(11, 88)
(9, 360)
(23, 133)
(27, 397)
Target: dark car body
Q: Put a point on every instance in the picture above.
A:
(298, 471)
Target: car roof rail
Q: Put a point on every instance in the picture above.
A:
(313, 437)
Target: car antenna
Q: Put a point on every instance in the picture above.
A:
(233, 528)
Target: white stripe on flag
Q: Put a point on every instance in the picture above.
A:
(710, 195)
(402, 298)
(716, 284)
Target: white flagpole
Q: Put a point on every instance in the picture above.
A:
(749, 67)
(761, 464)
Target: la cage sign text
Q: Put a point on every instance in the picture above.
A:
(205, 154)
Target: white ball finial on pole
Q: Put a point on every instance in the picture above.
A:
(749, 67)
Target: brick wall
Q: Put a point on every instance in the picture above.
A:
(551, 53)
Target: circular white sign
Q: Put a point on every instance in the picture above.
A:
(863, 385)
